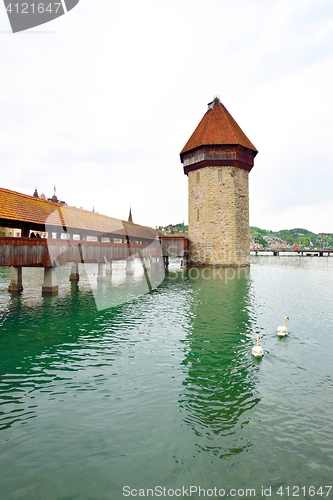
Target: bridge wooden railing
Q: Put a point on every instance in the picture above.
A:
(30, 252)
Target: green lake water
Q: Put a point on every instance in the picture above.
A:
(163, 392)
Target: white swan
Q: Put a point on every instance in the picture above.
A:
(257, 350)
(283, 330)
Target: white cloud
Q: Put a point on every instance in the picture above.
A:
(103, 105)
(300, 216)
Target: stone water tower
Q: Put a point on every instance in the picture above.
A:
(217, 160)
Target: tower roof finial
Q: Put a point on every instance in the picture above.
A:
(216, 100)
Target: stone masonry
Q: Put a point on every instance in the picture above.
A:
(218, 212)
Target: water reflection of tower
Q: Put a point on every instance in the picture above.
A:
(220, 383)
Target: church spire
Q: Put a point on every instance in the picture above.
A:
(130, 215)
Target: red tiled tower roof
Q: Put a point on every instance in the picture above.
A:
(217, 127)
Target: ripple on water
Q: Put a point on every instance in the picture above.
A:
(165, 388)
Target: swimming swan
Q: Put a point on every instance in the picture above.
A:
(257, 350)
(283, 330)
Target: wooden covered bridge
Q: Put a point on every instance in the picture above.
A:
(51, 234)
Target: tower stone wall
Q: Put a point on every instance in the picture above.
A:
(218, 195)
(218, 216)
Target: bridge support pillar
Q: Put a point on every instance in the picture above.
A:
(154, 262)
(147, 263)
(16, 280)
(101, 271)
(50, 285)
(129, 267)
(74, 276)
(108, 268)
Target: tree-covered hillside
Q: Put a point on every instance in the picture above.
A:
(173, 228)
(302, 237)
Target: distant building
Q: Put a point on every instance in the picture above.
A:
(278, 244)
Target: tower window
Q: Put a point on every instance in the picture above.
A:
(198, 215)
(197, 177)
(219, 174)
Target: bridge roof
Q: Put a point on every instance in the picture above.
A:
(17, 209)
(217, 127)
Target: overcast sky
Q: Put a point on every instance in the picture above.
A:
(100, 102)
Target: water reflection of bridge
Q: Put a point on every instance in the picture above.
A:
(220, 384)
(77, 236)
